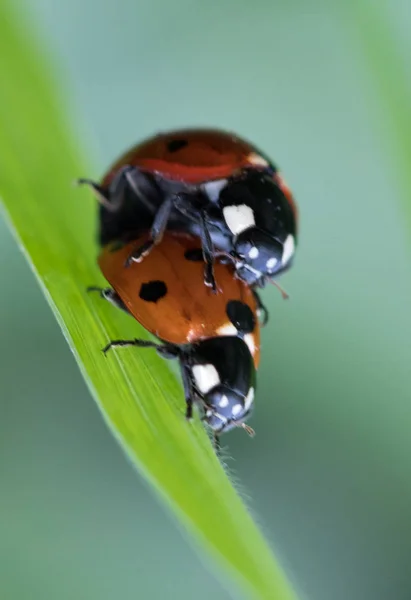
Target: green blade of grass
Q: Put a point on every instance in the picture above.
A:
(141, 400)
(385, 59)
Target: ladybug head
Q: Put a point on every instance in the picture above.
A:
(259, 212)
(223, 375)
(226, 409)
(261, 255)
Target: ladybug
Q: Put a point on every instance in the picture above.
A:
(211, 184)
(215, 337)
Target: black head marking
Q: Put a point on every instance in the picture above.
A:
(241, 316)
(194, 254)
(176, 145)
(153, 291)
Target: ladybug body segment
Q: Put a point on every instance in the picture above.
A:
(215, 337)
(190, 156)
(211, 184)
(223, 372)
(165, 293)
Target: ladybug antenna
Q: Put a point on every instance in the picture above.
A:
(247, 429)
(281, 290)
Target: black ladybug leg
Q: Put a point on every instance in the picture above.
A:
(127, 343)
(262, 311)
(165, 350)
(100, 193)
(215, 439)
(208, 253)
(112, 197)
(156, 233)
(128, 177)
(188, 388)
(217, 444)
(111, 296)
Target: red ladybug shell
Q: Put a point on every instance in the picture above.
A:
(193, 156)
(166, 292)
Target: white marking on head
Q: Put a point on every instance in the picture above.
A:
(237, 408)
(271, 262)
(250, 341)
(227, 329)
(223, 402)
(213, 189)
(256, 159)
(253, 252)
(206, 377)
(249, 399)
(238, 218)
(289, 248)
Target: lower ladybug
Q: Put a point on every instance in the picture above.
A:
(215, 337)
(207, 182)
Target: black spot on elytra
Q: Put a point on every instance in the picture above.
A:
(176, 145)
(153, 291)
(194, 254)
(241, 316)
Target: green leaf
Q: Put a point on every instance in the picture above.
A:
(140, 398)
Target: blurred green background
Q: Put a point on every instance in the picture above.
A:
(328, 475)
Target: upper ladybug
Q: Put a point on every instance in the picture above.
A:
(209, 183)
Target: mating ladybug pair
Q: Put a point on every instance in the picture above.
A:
(191, 224)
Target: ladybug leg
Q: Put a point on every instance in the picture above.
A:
(99, 192)
(111, 296)
(217, 444)
(188, 388)
(165, 350)
(198, 215)
(208, 253)
(112, 197)
(156, 233)
(262, 311)
(184, 204)
(127, 178)
(215, 440)
(169, 352)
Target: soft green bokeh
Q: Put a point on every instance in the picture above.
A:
(328, 474)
